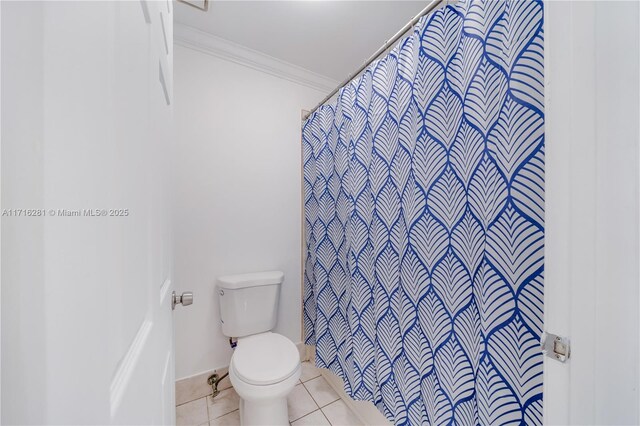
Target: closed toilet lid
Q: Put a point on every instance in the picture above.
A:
(265, 358)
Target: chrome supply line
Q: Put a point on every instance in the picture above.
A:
(429, 8)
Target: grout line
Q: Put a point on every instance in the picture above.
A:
(325, 417)
(205, 396)
(306, 415)
(206, 401)
(314, 400)
(223, 414)
(185, 403)
(337, 400)
(213, 418)
(310, 379)
(226, 414)
(194, 399)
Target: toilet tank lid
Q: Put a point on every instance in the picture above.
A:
(255, 279)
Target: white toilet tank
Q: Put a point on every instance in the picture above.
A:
(249, 302)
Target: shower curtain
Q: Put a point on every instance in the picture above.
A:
(424, 212)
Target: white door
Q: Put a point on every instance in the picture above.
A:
(592, 253)
(87, 334)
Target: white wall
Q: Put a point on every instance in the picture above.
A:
(592, 68)
(238, 205)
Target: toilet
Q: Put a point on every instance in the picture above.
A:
(265, 366)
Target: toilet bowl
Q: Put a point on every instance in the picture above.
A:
(265, 366)
(264, 369)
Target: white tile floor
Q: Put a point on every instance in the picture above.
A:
(311, 403)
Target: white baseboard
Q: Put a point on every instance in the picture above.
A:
(302, 350)
(195, 387)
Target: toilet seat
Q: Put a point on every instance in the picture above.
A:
(265, 359)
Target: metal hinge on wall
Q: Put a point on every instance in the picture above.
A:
(556, 347)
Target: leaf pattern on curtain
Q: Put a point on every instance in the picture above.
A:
(424, 210)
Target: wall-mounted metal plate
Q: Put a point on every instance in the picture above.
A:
(556, 347)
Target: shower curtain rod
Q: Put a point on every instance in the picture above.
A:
(430, 7)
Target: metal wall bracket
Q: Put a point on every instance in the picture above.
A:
(556, 347)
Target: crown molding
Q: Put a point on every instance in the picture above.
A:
(207, 43)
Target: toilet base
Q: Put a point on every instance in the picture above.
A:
(264, 405)
(273, 412)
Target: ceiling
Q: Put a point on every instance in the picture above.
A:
(332, 38)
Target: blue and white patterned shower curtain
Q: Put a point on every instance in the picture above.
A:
(424, 211)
